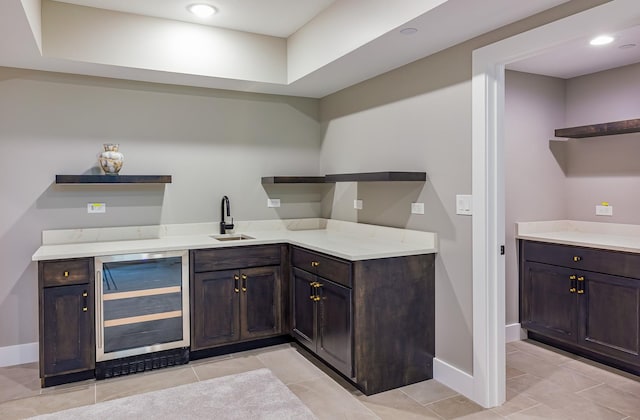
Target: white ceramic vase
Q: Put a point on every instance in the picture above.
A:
(111, 159)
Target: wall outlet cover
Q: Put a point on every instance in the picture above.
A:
(604, 210)
(417, 208)
(357, 204)
(96, 207)
(273, 202)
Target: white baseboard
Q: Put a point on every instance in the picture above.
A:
(513, 332)
(19, 354)
(454, 378)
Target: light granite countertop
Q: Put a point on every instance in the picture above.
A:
(612, 236)
(351, 241)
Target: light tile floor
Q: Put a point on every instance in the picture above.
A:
(542, 383)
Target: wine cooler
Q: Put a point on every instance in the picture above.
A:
(142, 307)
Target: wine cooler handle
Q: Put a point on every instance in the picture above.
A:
(99, 326)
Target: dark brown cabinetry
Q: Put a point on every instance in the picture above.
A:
(582, 299)
(372, 320)
(66, 295)
(322, 307)
(236, 295)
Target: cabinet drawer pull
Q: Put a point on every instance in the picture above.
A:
(315, 263)
(84, 309)
(85, 294)
(577, 258)
(66, 274)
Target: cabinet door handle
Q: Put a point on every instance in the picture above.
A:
(577, 258)
(572, 288)
(66, 274)
(318, 286)
(84, 301)
(244, 283)
(236, 286)
(581, 285)
(85, 306)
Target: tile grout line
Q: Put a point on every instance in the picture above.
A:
(195, 373)
(538, 403)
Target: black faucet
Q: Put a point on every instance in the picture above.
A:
(223, 225)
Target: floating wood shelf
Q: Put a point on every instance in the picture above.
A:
(355, 177)
(113, 179)
(377, 176)
(596, 130)
(293, 180)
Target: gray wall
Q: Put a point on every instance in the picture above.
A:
(534, 178)
(212, 142)
(604, 168)
(426, 131)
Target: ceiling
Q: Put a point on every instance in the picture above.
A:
(578, 57)
(320, 47)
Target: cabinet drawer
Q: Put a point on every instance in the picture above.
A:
(235, 258)
(65, 272)
(322, 265)
(599, 260)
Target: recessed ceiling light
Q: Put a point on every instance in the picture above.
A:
(602, 40)
(408, 31)
(202, 10)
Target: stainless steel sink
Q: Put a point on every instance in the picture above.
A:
(231, 237)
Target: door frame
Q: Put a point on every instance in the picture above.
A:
(488, 224)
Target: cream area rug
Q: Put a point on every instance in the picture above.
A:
(257, 394)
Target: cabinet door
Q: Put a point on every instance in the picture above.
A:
(215, 312)
(67, 329)
(334, 325)
(304, 308)
(549, 306)
(260, 303)
(610, 316)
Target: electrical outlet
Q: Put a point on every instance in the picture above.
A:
(96, 207)
(357, 204)
(604, 210)
(417, 208)
(273, 202)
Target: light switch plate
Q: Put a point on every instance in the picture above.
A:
(96, 207)
(417, 208)
(464, 204)
(273, 202)
(357, 204)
